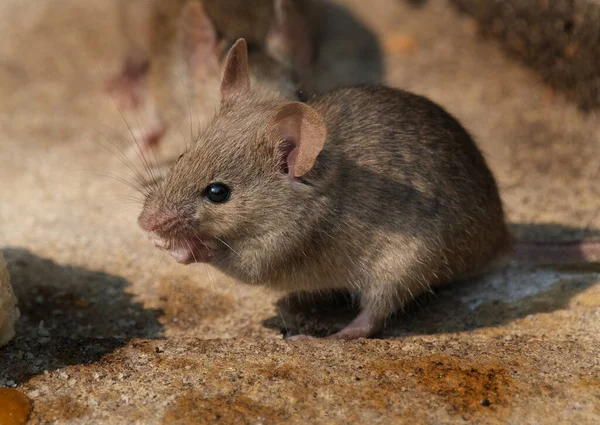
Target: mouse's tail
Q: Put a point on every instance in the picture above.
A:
(557, 252)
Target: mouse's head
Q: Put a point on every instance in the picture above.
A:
(247, 191)
(280, 52)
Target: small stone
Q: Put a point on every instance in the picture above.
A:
(15, 407)
(41, 330)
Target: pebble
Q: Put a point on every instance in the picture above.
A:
(15, 407)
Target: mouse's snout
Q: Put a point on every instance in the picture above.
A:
(151, 220)
(173, 232)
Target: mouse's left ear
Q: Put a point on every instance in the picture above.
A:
(301, 133)
(236, 76)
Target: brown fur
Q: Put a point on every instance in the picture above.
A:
(399, 199)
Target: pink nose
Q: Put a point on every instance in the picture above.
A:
(152, 221)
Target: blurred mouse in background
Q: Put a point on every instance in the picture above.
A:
(174, 44)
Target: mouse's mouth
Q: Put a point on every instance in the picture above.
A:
(188, 250)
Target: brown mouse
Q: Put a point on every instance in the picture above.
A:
(162, 33)
(369, 188)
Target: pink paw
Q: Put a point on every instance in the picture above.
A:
(348, 335)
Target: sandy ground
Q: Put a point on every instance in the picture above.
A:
(112, 331)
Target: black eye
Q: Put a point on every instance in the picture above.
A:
(217, 192)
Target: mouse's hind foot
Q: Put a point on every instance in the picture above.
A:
(363, 326)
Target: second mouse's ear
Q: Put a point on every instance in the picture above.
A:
(236, 76)
(302, 133)
(200, 42)
(289, 39)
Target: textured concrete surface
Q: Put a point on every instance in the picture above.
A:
(559, 39)
(112, 331)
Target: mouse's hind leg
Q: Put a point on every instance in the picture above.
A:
(378, 303)
(366, 324)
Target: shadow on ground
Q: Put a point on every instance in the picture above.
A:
(512, 293)
(345, 44)
(69, 315)
(550, 232)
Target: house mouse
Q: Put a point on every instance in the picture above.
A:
(160, 33)
(369, 188)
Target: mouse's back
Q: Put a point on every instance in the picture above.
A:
(407, 167)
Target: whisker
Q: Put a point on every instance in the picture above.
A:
(191, 251)
(144, 154)
(237, 295)
(211, 278)
(226, 244)
(120, 179)
(120, 154)
(140, 150)
(123, 156)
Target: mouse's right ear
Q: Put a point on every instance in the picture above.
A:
(236, 76)
(301, 133)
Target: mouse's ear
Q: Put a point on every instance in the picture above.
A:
(302, 133)
(236, 77)
(289, 39)
(200, 41)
